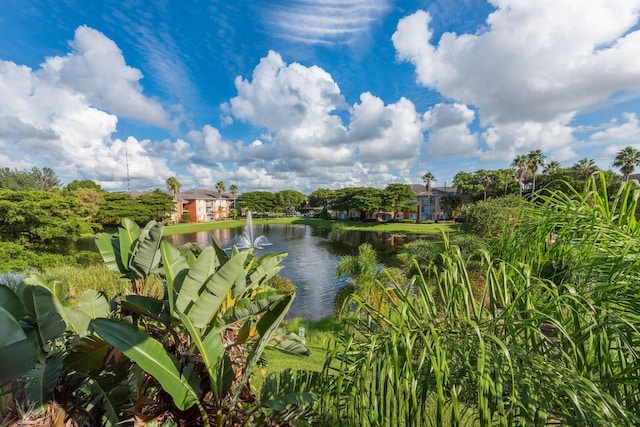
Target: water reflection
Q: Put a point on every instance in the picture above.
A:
(313, 256)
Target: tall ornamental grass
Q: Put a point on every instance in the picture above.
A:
(552, 339)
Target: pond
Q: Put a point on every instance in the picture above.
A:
(313, 254)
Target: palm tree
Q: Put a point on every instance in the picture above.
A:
(233, 188)
(173, 185)
(427, 178)
(586, 167)
(535, 159)
(361, 269)
(627, 159)
(551, 168)
(485, 179)
(520, 162)
(220, 188)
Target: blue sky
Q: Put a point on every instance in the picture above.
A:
(306, 94)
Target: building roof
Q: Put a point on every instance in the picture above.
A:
(201, 194)
(421, 190)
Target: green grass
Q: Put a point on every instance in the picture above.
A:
(389, 227)
(76, 280)
(318, 335)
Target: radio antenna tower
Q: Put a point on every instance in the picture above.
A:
(126, 156)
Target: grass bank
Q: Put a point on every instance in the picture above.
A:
(389, 227)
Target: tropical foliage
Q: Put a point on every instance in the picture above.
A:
(551, 339)
(186, 355)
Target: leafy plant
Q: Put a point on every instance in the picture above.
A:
(528, 350)
(133, 253)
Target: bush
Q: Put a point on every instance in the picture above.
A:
(489, 219)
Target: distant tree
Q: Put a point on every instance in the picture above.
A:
(522, 168)
(32, 179)
(585, 167)
(428, 178)
(552, 168)
(535, 159)
(121, 205)
(398, 197)
(258, 201)
(627, 159)
(37, 218)
(321, 197)
(233, 189)
(289, 201)
(157, 204)
(88, 204)
(485, 179)
(173, 185)
(85, 183)
(504, 177)
(45, 179)
(466, 183)
(220, 188)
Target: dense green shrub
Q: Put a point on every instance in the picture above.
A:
(489, 219)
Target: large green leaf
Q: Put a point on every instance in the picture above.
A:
(147, 306)
(268, 266)
(150, 356)
(94, 304)
(209, 302)
(248, 307)
(291, 343)
(77, 321)
(109, 248)
(146, 256)
(10, 301)
(17, 352)
(54, 286)
(213, 353)
(220, 252)
(128, 235)
(87, 355)
(49, 314)
(194, 283)
(266, 326)
(176, 268)
(41, 381)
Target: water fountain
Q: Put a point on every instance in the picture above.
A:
(246, 240)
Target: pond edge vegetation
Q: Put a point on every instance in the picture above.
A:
(539, 328)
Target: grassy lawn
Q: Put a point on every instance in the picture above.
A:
(390, 227)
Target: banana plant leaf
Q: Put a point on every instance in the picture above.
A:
(221, 254)
(94, 304)
(146, 256)
(248, 307)
(87, 355)
(150, 356)
(208, 303)
(147, 306)
(176, 268)
(40, 382)
(291, 343)
(267, 325)
(269, 265)
(10, 301)
(128, 234)
(214, 357)
(54, 286)
(109, 249)
(18, 353)
(49, 314)
(77, 321)
(195, 281)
